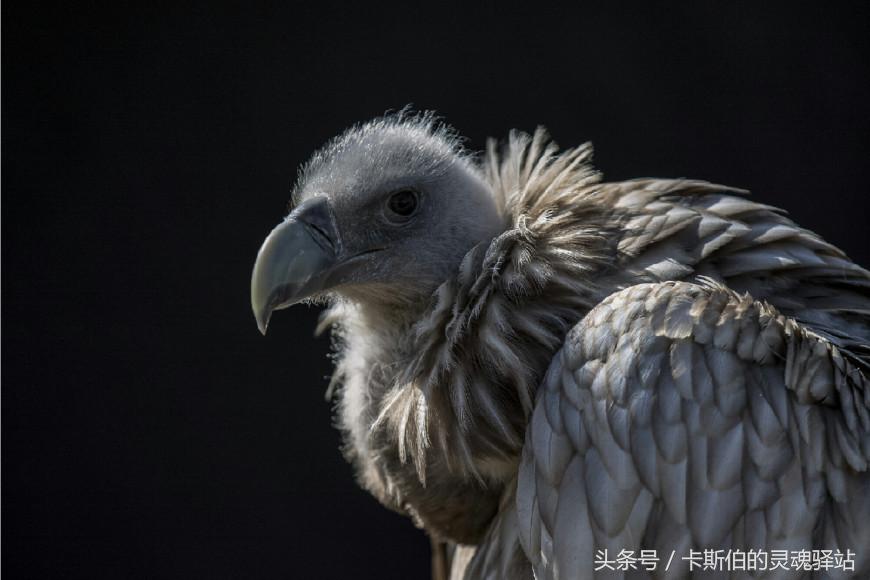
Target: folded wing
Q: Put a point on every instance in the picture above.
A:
(682, 416)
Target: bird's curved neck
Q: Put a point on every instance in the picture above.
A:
(437, 401)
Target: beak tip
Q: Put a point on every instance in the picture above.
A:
(263, 321)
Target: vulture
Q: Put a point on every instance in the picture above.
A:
(560, 377)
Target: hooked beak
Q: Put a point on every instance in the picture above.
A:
(296, 260)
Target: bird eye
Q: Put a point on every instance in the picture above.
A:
(403, 203)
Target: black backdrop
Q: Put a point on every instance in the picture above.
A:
(148, 429)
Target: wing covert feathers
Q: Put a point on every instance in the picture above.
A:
(681, 415)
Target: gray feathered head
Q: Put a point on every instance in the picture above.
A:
(381, 214)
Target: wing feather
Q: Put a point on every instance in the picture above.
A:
(684, 416)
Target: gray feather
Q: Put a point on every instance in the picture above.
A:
(708, 357)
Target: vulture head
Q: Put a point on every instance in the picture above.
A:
(380, 215)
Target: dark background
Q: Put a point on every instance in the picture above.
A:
(148, 429)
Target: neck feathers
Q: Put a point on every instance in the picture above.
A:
(468, 365)
(436, 397)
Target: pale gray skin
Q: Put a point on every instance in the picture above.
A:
(711, 392)
(402, 260)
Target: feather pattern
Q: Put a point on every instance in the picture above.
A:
(760, 449)
(745, 382)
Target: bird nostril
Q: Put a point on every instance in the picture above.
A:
(316, 215)
(321, 237)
